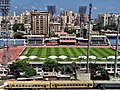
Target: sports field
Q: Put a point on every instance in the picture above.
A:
(69, 52)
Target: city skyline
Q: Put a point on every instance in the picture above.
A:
(102, 6)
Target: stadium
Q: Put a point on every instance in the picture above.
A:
(36, 55)
(69, 51)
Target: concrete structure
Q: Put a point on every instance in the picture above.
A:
(82, 65)
(40, 23)
(67, 38)
(82, 76)
(3, 71)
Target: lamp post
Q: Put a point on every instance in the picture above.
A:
(88, 51)
(116, 49)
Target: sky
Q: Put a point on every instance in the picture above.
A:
(99, 6)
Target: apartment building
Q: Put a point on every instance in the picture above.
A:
(108, 19)
(40, 23)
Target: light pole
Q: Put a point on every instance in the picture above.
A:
(88, 51)
(116, 49)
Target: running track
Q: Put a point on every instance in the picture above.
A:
(15, 52)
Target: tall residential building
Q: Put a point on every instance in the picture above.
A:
(26, 17)
(55, 27)
(66, 18)
(108, 19)
(40, 23)
(26, 20)
(51, 9)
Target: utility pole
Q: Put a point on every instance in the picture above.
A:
(88, 51)
(116, 49)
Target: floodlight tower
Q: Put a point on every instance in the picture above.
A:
(4, 9)
(88, 51)
(116, 48)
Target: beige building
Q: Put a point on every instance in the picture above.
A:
(26, 17)
(108, 19)
(67, 38)
(55, 27)
(40, 23)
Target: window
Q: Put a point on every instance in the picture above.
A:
(1, 72)
(44, 86)
(23, 85)
(16, 85)
(90, 84)
(13, 85)
(38, 85)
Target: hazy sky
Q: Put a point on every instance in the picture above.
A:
(99, 6)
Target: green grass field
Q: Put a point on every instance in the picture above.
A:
(70, 52)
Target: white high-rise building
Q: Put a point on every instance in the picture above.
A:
(108, 19)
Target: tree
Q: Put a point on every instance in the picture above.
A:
(18, 26)
(68, 70)
(74, 67)
(49, 65)
(70, 30)
(110, 27)
(97, 27)
(15, 27)
(98, 72)
(104, 73)
(18, 35)
(84, 33)
(21, 27)
(21, 66)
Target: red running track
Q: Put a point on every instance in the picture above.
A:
(15, 53)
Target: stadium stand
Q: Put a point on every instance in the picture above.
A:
(19, 41)
(35, 40)
(81, 41)
(13, 42)
(99, 40)
(53, 41)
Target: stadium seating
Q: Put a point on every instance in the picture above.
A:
(99, 41)
(12, 42)
(19, 41)
(35, 42)
(82, 43)
(51, 43)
